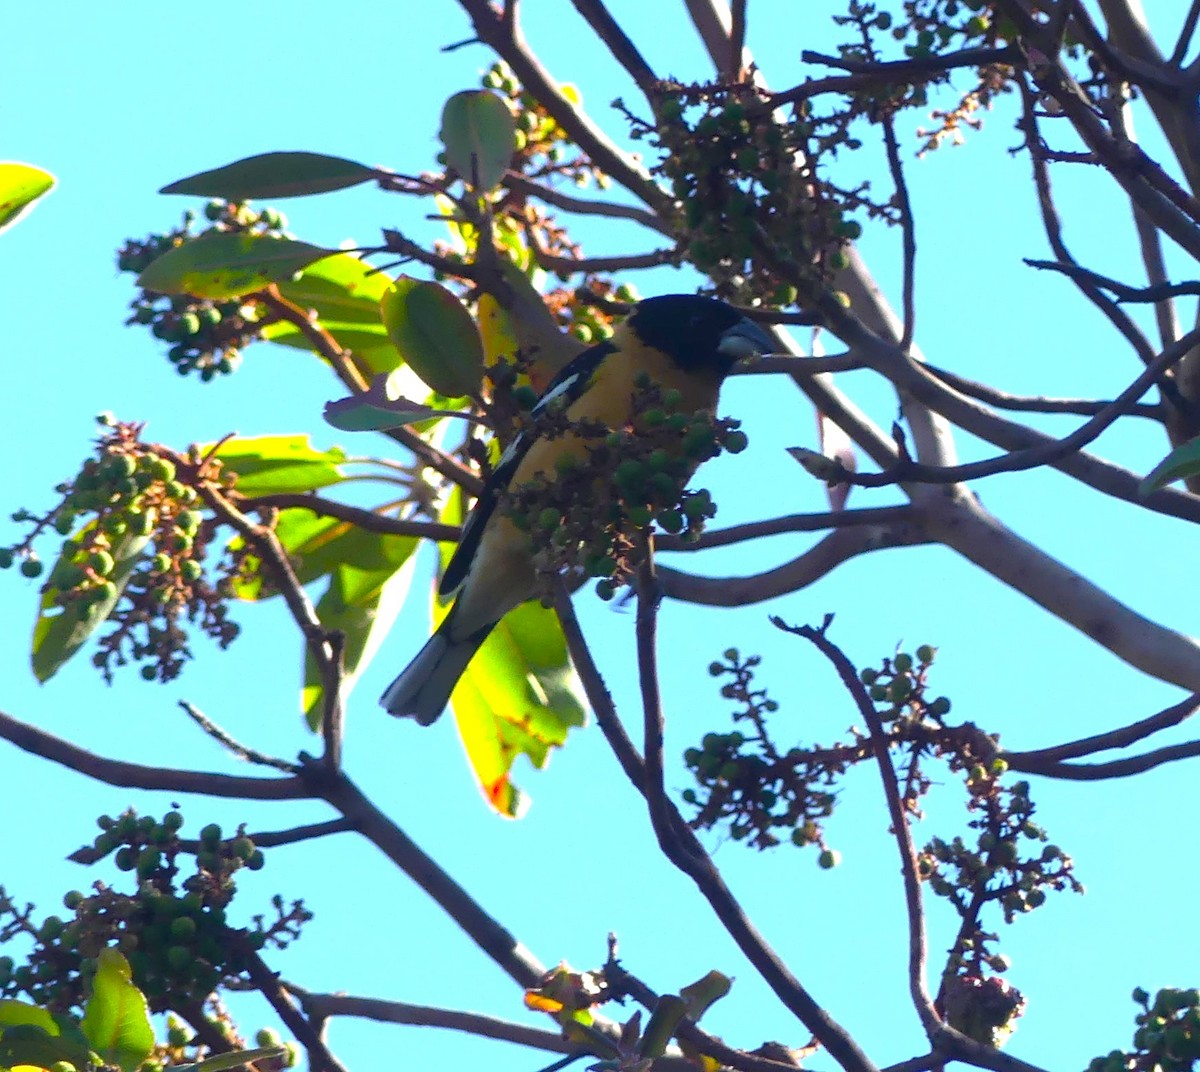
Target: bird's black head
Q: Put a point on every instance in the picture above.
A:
(698, 334)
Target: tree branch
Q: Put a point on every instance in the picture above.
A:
(368, 520)
(135, 776)
(917, 954)
(838, 547)
(1121, 737)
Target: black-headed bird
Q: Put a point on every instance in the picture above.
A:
(683, 343)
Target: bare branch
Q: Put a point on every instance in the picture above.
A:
(525, 186)
(1185, 35)
(917, 943)
(234, 746)
(1081, 407)
(507, 40)
(135, 776)
(800, 572)
(320, 1057)
(753, 530)
(623, 50)
(323, 1006)
(1121, 737)
(907, 470)
(704, 873)
(1117, 768)
(364, 519)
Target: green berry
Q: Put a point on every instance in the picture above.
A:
(829, 859)
(32, 567)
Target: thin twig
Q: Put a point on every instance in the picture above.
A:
(907, 470)
(623, 50)
(324, 1006)
(320, 1057)
(907, 231)
(234, 746)
(917, 942)
(1079, 407)
(775, 526)
(368, 520)
(136, 776)
(1121, 737)
(1185, 35)
(527, 187)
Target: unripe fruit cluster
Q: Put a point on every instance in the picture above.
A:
(763, 795)
(742, 178)
(1167, 1036)
(136, 543)
(204, 336)
(172, 932)
(542, 146)
(899, 687)
(610, 485)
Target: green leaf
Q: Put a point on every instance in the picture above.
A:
(32, 1045)
(704, 993)
(317, 546)
(370, 349)
(116, 1020)
(345, 293)
(60, 632)
(363, 604)
(222, 1062)
(1183, 461)
(13, 1012)
(435, 335)
(20, 187)
(379, 408)
(281, 464)
(480, 136)
(275, 175)
(668, 1014)
(223, 265)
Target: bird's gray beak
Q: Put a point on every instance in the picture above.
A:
(745, 339)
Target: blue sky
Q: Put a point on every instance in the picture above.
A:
(119, 101)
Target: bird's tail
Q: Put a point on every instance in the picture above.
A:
(423, 689)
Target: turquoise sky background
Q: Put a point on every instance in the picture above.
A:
(121, 100)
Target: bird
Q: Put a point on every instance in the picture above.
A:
(682, 342)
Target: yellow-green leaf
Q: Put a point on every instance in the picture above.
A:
(225, 265)
(363, 604)
(295, 174)
(60, 632)
(435, 335)
(116, 1020)
(480, 136)
(21, 185)
(267, 465)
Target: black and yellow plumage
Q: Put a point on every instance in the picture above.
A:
(681, 342)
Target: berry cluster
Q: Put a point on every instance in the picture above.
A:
(753, 214)
(898, 686)
(1167, 1038)
(1001, 868)
(206, 337)
(172, 930)
(137, 541)
(763, 794)
(591, 514)
(543, 147)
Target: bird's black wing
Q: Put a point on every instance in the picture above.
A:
(573, 380)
